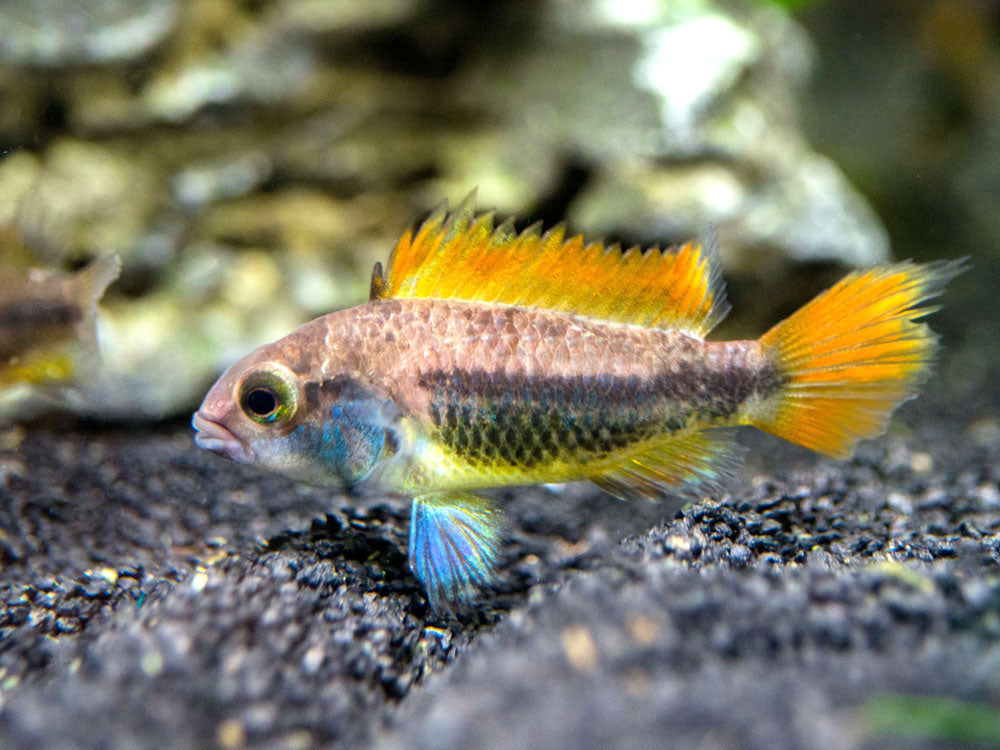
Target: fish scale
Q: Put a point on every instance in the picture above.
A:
(493, 419)
(487, 358)
(487, 411)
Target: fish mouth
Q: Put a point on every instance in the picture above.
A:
(218, 439)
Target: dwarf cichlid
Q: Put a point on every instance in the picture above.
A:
(48, 321)
(490, 358)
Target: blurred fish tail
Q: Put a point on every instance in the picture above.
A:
(89, 286)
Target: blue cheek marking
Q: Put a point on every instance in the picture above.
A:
(352, 440)
(349, 444)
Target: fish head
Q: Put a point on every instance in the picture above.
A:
(277, 411)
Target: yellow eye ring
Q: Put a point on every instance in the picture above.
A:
(269, 395)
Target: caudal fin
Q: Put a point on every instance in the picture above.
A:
(852, 355)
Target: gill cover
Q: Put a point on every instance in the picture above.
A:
(355, 438)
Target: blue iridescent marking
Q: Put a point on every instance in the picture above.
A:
(353, 440)
(454, 546)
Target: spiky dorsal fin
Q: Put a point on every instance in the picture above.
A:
(462, 256)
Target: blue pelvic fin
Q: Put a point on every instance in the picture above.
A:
(454, 546)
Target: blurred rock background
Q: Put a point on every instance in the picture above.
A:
(905, 98)
(250, 160)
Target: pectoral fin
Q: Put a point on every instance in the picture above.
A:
(454, 546)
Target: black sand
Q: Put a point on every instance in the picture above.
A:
(155, 596)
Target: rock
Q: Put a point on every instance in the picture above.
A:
(56, 33)
(315, 135)
(85, 200)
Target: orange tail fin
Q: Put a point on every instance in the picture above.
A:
(852, 355)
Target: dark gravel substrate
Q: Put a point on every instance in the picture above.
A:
(154, 596)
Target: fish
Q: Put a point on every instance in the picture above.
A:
(48, 320)
(487, 357)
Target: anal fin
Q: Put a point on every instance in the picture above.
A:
(689, 465)
(454, 546)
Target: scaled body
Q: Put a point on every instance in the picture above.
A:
(472, 367)
(491, 396)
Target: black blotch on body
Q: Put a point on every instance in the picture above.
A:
(311, 391)
(320, 394)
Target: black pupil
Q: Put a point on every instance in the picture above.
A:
(262, 401)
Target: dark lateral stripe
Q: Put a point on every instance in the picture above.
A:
(696, 385)
(493, 419)
(38, 313)
(524, 420)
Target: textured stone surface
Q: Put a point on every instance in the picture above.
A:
(160, 597)
(762, 623)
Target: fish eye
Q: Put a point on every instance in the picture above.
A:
(268, 395)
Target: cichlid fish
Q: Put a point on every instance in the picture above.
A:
(488, 358)
(47, 321)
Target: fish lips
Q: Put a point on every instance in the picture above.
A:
(218, 439)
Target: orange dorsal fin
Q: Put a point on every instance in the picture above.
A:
(462, 256)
